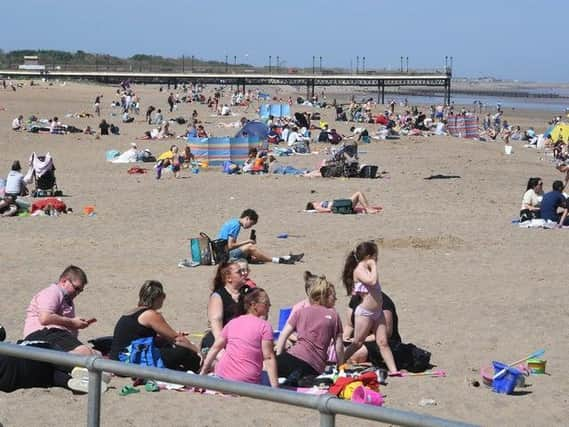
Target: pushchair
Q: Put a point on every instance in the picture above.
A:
(42, 173)
(343, 162)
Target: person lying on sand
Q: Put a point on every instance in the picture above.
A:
(358, 199)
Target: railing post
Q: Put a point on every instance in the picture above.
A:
(94, 394)
(327, 418)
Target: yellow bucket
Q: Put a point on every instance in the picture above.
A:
(537, 366)
(347, 391)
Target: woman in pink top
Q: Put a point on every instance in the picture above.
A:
(248, 342)
(316, 326)
(360, 271)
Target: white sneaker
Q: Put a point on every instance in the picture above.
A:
(80, 380)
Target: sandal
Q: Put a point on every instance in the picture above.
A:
(128, 389)
(151, 386)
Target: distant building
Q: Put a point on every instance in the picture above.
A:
(31, 63)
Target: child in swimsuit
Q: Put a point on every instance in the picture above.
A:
(360, 275)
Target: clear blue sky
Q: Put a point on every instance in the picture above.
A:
(518, 39)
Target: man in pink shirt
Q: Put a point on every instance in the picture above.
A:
(50, 317)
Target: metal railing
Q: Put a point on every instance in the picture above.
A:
(328, 405)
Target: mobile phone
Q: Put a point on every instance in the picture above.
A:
(253, 235)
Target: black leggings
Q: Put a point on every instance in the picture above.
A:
(180, 358)
(288, 364)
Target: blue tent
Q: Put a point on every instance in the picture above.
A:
(253, 129)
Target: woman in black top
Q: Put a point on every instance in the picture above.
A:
(223, 301)
(144, 321)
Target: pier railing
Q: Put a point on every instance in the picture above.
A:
(327, 405)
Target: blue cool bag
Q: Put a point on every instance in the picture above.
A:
(143, 351)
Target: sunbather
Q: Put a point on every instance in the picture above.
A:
(358, 199)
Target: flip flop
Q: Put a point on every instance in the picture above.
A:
(128, 389)
(151, 386)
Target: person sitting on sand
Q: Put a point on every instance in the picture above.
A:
(245, 270)
(170, 158)
(223, 301)
(247, 341)
(369, 352)
(18, 123)
(358, 200)
(554, 201)
(248, 248)
(316, 326)
(144, 321)
(50, 316)
(15, 184)
(532, 199)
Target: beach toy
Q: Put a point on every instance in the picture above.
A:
(196, 170)
(438, 373)
(348, 391)
(204, 164)
(367, 396)
(487, 372)
(505, 382)
(536, 366)
(534, 355)
(89, 210)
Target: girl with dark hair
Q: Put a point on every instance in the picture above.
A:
(247, 341)
(531, 200)
(223, 301)
(144, 321)
(360, 275)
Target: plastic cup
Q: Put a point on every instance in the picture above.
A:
(508, 149)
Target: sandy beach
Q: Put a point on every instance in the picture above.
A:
(469, 286)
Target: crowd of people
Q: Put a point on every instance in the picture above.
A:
(239, 344)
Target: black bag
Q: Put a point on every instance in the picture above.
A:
(368, 171)
(351, 170)
(410, 357)
(219, 251)
(332, 171)
(342, 206)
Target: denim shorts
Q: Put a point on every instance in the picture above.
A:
(237, 253)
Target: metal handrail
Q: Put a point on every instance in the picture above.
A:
(328, 405)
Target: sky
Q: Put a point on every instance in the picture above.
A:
(513, 40)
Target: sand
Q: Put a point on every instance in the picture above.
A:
(469, 286)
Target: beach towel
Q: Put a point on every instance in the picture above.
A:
(56, 203)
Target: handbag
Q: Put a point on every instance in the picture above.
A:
(200, 250)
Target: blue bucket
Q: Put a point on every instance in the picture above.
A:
(505, 383)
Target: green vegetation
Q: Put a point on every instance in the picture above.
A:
(82, 60)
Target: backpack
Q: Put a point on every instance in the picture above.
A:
(342, 206)
(144, 352)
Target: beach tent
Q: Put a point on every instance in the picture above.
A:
(253, 129)
(216, 150)
(560, 131)
(275, 110)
